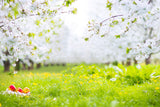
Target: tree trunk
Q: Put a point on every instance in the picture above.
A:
(135, 61)
(123, 63)
(6, 66)
(46, 65)
(148, 60)
(17, 68)
(23, 66)
(38, 65)
(52, 64)
(6, 63)
(58, 64)
(107, 63)
(63, 64)
(31, 66)
(128, 62)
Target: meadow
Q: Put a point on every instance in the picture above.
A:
(84, 86)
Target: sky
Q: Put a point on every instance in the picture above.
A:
(78, 50)
(87, 10)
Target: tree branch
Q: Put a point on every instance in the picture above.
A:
(2, 2)
(150, 1)
(110, 18)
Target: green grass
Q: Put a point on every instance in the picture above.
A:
(85, 86)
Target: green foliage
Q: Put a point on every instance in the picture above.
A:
(134, 3)
(109, 5)
(33, 1)
(37, 22)
(10, 15)
(50, 51)
(74, 11)
(15, 10)
(47, 39)
(115, 22)
(31, 34)
(128, 50)
(40, 34)
(8, 1)
(85, 85)
(86, 39)
(35, 48)
(102, 35)
(123, 19)
(118, 36)
(52, 21)
(135, 20)
(30, 42)
(68, 2)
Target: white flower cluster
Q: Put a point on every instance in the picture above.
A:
(28, 29)
(132, 26)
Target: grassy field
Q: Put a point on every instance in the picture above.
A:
(84, 86)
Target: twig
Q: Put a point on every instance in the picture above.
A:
(110, 18)
(149, 1)
(2, 2)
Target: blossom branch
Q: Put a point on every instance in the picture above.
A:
(110, 18)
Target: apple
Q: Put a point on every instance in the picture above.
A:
(26, 90)
(20, 90)
(12, 88)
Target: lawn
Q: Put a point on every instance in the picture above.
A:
(84, 86)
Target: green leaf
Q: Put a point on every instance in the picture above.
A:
(15, 10)
(111, 25)
(68, 2)
(149, 12)
(48, 30)
(74, 11)
(134, 3)
(128, 50)
(102, 35)
(37, 22)
(30, 42)
(48, 40)
(50, 51)
(120, 47)
(86, 39)
(117, 36)
(109, 5)
(47, 57)
(134, 20)
(10, 15)
(31, 34)
(35, 48)
(52, 21)
(46, 2)
(33, 1)
(8, 1)
(11, 49)
(40, 34)
(115, 22)
(123, 19)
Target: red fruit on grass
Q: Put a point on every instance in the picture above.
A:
(20, 90)
(12, 88)
(26, 90)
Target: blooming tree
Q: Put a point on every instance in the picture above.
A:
(26, 28)
(134, 22)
